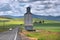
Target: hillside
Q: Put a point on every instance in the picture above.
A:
(34, 19)
(20, 20)
(56, 18)
(4, 17)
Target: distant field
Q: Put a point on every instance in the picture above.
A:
(48, 24)
(12, 21)
(21, 21)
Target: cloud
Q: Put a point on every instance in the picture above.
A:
(39, 0)
(5, 7)
(42, 8)
(4, 1)
(29, 0)
(38, 7)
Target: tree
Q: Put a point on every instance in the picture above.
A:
(40, 22)
(43, 21)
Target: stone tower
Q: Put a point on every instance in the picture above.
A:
(28, 20)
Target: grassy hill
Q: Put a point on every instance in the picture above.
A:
(21, 21)
(18, 21)
(49, 30)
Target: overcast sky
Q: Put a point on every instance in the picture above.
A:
(38, 7)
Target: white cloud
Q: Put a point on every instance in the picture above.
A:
(50, 10)
(1, 13)
(4, 1)
(39, 7)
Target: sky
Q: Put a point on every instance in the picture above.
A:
(38, 7)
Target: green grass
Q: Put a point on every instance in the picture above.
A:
(51, 31)
(54, 29)
(6, 27)
(46, 21)
(44, 35)
(11, 23)
(21, 21)
(48, 25)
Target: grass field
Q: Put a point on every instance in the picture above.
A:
(49, 30)
(48, 24)
(6, 23)
(46, 31)
(44, 35)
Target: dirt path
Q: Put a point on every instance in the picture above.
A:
(25, 37)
